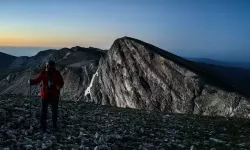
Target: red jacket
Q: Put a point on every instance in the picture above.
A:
(44, 77)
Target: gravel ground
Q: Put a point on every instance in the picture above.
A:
(88, 126)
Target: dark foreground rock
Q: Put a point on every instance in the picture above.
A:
(89, 126)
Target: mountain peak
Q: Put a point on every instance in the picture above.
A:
(135, 45)
(136, 74)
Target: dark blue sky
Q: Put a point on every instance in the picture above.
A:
(217, 29)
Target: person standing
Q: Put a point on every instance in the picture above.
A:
(52, 82)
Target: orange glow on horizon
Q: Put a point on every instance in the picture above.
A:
(32, 42)
(19, 41)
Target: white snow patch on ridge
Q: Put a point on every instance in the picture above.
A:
(87, 91)
(67, 54)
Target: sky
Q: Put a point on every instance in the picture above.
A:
(217, 29)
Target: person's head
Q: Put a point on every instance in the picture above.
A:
(50, 65)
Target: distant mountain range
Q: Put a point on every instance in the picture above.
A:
(235, 73)
(221, 63)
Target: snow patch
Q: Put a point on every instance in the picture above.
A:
(67, 55)
(230, 111)
(87, 91)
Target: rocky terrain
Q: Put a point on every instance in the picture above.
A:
(132, 74)
(135, 74)
(89, 126)
(77, 66)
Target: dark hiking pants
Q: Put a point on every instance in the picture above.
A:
(54, 108)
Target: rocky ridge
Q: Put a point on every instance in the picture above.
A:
(77, 65)
(135, 74)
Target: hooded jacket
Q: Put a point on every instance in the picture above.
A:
(50, 81)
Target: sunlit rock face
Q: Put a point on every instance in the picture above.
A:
(135, 74)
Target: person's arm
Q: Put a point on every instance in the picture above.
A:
(37, 80)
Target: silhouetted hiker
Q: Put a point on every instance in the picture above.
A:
(52, 82)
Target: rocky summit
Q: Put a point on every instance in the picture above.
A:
(89, 126)
(135, 74)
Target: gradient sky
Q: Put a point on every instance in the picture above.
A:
(218, 29)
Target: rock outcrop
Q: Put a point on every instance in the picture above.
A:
(135, 74)
(77, 65)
